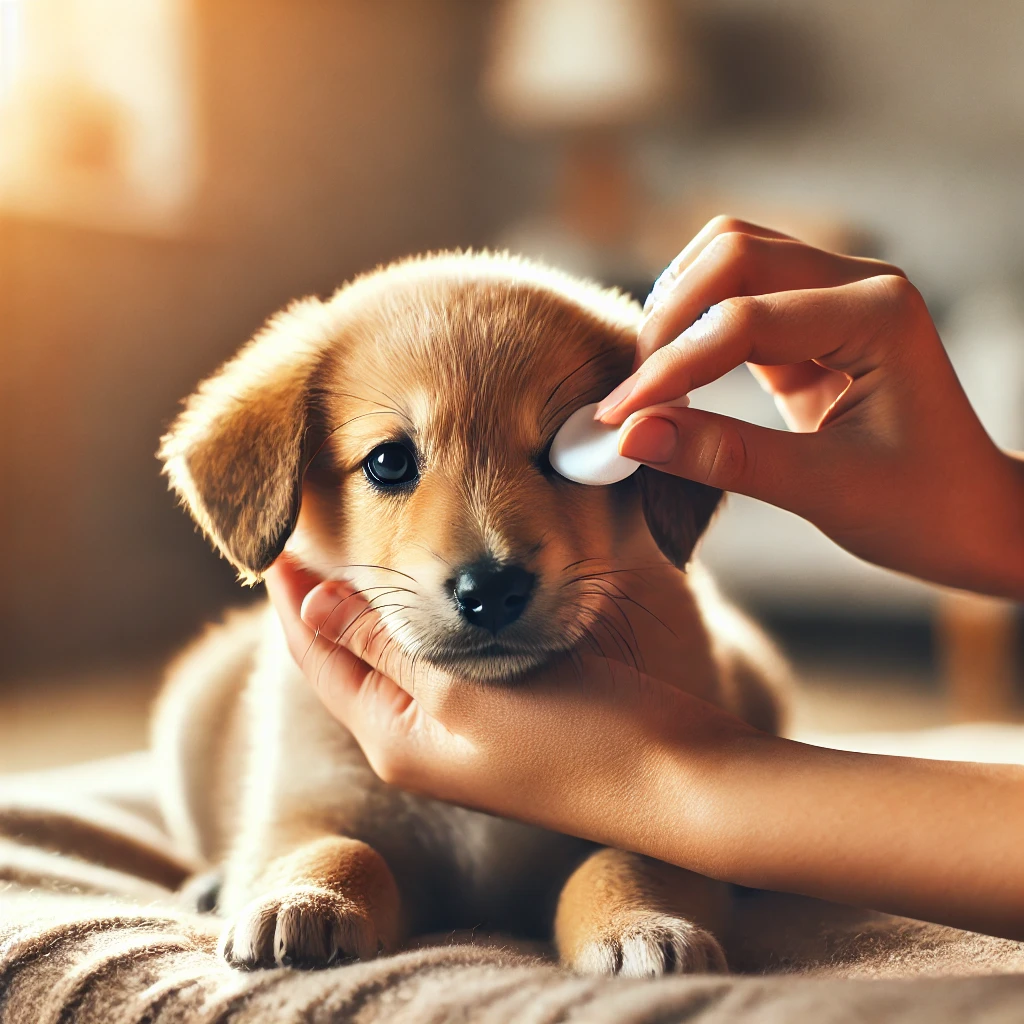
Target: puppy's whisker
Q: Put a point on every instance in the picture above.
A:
(620, 595)
(538, 547)
(572, 373)
(619, 638)
(551, 417)
(555, 414)
(326, 389)
(615, 603)
(371, 565)
(580, 561)
(323, 389)
(386, 395)
(351, 627)
(381, 627)
(613, 634)
(330, 433)
(384, 589)
(576, 662)
(357, 593)
(626, 569)
(323, 664)
(431, 551)
(318, 632)
(387, 592)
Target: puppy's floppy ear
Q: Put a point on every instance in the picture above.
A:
(677, 511)
(237, 453)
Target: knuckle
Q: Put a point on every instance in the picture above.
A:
(744, 313)
(724, 223)
(732, 246)
(728, 459)
(901, 298)
(669, 364)
(890, 270)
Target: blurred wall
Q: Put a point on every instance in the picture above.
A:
(335, 134)
(906, 116)
(338, 133)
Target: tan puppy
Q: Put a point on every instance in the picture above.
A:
(396, 436)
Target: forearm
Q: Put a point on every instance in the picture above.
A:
(989, 542)
(620, 758)
(936, 840)
(1015, 527)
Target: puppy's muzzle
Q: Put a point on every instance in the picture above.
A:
(492, 596)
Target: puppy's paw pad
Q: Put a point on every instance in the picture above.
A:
(650, 946)
(306, 927)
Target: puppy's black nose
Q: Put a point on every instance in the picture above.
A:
(492, 596)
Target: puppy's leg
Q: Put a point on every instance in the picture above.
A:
(298, 887)
(621, 913)
(326, 900)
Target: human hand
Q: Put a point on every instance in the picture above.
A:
(614, 756)
(591, 748)
(888, 459)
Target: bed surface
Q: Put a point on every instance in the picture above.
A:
(90, 932)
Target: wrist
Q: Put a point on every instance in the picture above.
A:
(995, 540)
(706, 796)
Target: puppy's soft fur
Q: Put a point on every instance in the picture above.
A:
(471, 362)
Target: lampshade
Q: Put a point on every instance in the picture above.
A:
(569, 63)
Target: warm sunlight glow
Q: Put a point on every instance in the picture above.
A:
(97, 120)
(10, 43)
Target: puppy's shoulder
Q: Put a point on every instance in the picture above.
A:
(220, 659)
(757, 678)
(198, 731)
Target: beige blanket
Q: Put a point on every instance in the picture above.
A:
(89, 932)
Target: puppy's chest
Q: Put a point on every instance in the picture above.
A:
(464, 867)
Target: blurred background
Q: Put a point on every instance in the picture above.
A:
(171, 172)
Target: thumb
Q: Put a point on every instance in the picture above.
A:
(776, 466)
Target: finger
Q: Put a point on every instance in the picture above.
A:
(393, 730)
(849, 329)
(781, 468)
(326, 665)
(737, 263)
(287, 585)
(719, 225)
(288, 582)
(347, 618)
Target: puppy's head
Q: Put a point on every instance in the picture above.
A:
(397, 436)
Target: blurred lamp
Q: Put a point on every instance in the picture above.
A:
(580, 63)
(587, 72)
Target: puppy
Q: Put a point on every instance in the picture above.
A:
(396, 436)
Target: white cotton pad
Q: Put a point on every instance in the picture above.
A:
(586, 451)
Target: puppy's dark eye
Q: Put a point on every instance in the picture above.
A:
(390, 464)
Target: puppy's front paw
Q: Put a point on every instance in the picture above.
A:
(305, 927)
(649, 945)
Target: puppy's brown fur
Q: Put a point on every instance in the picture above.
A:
(472, 362)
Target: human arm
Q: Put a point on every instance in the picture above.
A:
(615, 756)
(887, 456)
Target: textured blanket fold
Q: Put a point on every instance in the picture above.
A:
(90, 932)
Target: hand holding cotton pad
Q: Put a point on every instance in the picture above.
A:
(586, 450)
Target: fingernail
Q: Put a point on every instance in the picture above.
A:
(616, 397)
(650, 439)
